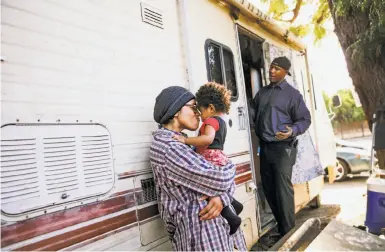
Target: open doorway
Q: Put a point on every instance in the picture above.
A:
(251, 48)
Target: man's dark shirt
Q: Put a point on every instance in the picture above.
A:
(278, 106)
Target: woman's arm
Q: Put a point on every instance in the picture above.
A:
(227, 197)
(187, 168)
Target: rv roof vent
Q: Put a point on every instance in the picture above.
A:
(152, 15)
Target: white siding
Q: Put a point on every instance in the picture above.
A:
(82, 61)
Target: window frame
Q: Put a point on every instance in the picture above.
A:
(221, 46)
(303, 87)
(314, 94)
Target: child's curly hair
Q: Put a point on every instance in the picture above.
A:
(216, 94)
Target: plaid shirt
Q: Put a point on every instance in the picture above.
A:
(182, 177)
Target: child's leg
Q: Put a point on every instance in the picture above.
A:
(238, 207)
(233, 220)
(216, 157)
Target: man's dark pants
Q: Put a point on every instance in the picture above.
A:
(277, 160)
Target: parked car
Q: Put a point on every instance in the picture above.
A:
(352, 159)
(343, 143)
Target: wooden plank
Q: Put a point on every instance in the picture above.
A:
(301, 196)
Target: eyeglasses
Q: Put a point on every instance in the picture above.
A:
(194, 107)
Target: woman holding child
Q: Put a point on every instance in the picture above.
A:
(194, 192)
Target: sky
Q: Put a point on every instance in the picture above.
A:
(328, 65)
(326, 59)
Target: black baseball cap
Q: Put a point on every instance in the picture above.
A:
(283, 63)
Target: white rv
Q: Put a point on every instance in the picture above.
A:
(79, 81)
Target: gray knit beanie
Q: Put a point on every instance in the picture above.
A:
(169, 102)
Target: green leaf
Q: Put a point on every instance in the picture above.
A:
(348, 112)
(277, 8)
(322, 13)
(370, 44)
(300, 30)
(319, 32)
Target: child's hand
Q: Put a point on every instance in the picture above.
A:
(179, 138)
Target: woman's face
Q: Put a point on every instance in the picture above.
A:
(188, 116)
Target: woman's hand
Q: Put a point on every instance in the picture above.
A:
(213, 208)
(179, 138)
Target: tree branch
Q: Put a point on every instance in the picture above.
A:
(295, 13)
(283, 20)
(323, 15)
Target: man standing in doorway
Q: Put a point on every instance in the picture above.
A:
(280, 116)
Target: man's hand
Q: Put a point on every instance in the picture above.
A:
(179, 138)
(284, 135)
(212, 210)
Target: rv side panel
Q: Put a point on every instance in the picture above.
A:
(87, 63)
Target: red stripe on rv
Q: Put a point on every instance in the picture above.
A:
(70, 238)
(54, 221)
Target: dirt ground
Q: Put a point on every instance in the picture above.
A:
(344, 201)
(351, 195)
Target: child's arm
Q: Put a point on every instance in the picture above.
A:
(200, 141)
(203, 140)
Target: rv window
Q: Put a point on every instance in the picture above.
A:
(230, 72)
(220, 66)
(214, 61)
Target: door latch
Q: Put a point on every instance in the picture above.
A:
(251, 187)
(241, 118)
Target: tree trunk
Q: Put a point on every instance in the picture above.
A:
(368, 76)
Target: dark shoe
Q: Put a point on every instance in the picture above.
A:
(267, 241)
(233, 219)
(234, 224)
(273, 239)
(238, 207)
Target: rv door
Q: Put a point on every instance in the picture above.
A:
(213, 58)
